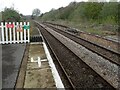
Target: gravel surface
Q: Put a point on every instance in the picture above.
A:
(92, 47)
(103, 67)
(113, 38)
(11, 59)
(109, 42)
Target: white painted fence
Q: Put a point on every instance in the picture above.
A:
(15, 32)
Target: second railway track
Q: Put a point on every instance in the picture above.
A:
(78, 72)
(102, 51)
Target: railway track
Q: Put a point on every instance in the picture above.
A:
(67, 82)
(110, 55)
(66, 27)
(78, 73)
(100, 40)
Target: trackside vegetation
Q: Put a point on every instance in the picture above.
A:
(11, 15)
(92, 11)
(92, 15)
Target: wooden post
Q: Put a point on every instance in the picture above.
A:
(21, 32)
(17, 33)
(14, 34)
(10, 34)
(2, 27)
(6, 31)
(28, 32)
(24, 33)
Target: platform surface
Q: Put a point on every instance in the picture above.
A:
(12, 55)
(38, 76)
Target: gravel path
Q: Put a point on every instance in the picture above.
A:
(11, 59)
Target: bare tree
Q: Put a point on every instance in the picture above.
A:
(36, 12)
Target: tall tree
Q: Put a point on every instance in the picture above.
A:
(9, 14)
(36, 12)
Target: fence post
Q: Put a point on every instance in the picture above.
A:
(6, 32)
(17, 33)
(14, 35)
(28, 32)
(10, 34)
(21, 32)
(24, 33)
(2, 27)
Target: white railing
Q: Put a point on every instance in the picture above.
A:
(16, 32)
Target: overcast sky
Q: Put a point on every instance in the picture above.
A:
(26, 6)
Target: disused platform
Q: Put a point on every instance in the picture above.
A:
(38, 73)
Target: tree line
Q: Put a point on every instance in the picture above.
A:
(11, 15)
(82, 11)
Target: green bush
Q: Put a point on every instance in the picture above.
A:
(9, 14)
